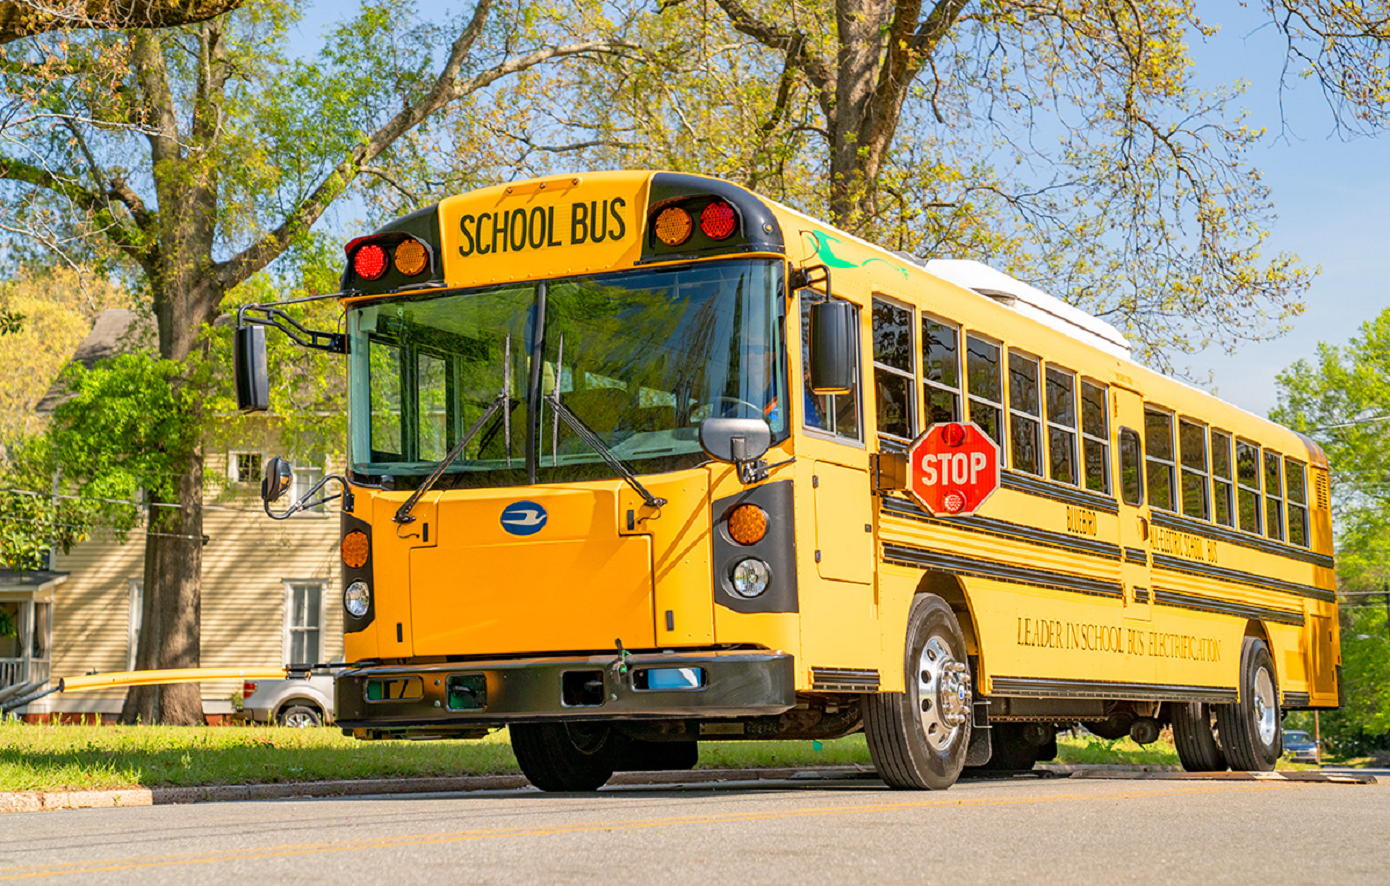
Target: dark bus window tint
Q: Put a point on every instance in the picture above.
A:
(1192, 447)
(1095, 436)
(1248, 485)
(1061, 425)
(1274, 504)
(1023, 409)
(940, 371)
(1223, 506)
(983, 376)
(1158, 443)
(1295, 481)
(892, 336)
(1131, 468)
(894, 395)
(834, 413)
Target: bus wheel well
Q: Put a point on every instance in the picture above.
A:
(1255, 629)
(949, 588)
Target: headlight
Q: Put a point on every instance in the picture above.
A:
(357, 599)
(750, 577)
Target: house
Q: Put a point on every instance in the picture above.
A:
(269, 590)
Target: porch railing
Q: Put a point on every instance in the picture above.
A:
(18, 670)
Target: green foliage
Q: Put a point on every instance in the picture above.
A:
(31, 519)
(1342, 400)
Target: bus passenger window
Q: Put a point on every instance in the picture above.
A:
(1274, 503)
(1024, 412)
(1095, 437)
(940, 371)
(1192, 446)
(1131, 468)
(1222, 507)
(1296, 483)
(982, 377)
(1248, 485)
(837, 414)
(894, 396)
(1158, 443)
(1061, 425)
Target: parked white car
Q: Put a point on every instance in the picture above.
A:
(296, 702)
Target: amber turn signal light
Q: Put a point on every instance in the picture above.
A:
(673, 226)
(747, 524)
(355, 549)
(411, 257)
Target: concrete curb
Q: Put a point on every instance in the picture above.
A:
(41, 801)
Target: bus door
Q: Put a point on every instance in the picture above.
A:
(1135, 560)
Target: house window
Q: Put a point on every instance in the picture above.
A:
(304, 480)
(244, 467)
(137, 609)
(304, 621)
(893, 388)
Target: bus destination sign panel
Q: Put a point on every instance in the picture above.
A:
(953, 468)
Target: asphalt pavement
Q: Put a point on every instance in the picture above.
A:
(805, 831)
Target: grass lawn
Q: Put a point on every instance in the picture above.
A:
(48, 757)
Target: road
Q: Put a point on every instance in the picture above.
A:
(802, 831)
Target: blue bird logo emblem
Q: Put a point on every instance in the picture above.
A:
(523, 518)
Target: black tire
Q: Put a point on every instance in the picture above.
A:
(1194, 734)
(1250, 728)
(1011, 751)
(566, 756)
(300, 716)
(658, 756)
(911, 747)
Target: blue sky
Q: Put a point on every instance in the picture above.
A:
(1332, 197)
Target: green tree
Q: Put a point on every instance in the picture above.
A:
(201, 154)
(1065, 141)
(1341, 399)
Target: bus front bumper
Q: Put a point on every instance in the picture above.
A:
(431, 697)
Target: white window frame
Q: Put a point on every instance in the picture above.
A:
(288, 629)
(234, 466)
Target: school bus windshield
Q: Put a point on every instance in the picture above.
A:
(640, 356)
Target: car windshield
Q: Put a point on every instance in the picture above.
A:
(640, 356)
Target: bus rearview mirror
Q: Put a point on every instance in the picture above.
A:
(832, 347)
(249, 365)
(735, 440)
(276, 480)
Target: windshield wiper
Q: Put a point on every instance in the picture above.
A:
(585, 433)
(503, 399)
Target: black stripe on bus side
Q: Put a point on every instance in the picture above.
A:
(1175, 564)
(1241, 539)
(1004, 529)
(1137, 555)
(1033, 687)
(1226, 607)
(905, 555)
(1068, 494)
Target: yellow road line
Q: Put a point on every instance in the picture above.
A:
(289, 850)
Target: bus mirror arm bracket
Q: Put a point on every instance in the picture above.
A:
(307, 501)
(270, 315)
(804, 277)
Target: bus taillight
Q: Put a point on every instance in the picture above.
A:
(369, 262)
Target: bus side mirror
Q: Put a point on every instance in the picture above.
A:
(276, 480)
(735, 440)
(832, 347)
(249, 365)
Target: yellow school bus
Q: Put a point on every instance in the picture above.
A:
(628, 471)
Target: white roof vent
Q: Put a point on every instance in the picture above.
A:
(1031, 301)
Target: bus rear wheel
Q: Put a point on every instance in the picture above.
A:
(1194, 734)
(918, 738)
(566, 756)
(1250, 728)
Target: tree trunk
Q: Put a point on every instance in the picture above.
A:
(169, 631)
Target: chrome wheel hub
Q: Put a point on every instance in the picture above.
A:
(1266, 708)
(943, 692)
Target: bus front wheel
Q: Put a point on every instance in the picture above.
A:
(918, 738)
(1250, 728)
(565, 756)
